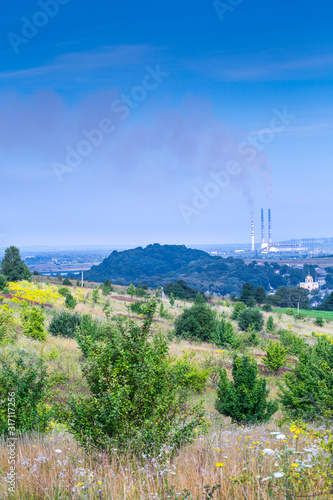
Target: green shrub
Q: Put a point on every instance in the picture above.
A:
(276, 356)
(7, 324)
(171, 300)
(95, 296)
(131, 290)
(67, 282)
(63, 291)
(193, 377)
(290, 312)
(70, 302)
(238, 308)
(245, 398)
(319, 322)
(137, 307)
(107, 288)
(267, 308)
(33, 322)
(23, 380)
(251, 317)
(294, 344)
(307, 392)
(6, 291)
(270, 326)
(65, 323)
(3, 282)
(138, 401)
(91, 331)
(224, 334)
(196, 323)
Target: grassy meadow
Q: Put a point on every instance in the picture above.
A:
(276, 460)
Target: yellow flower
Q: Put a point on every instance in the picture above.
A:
(219, 465)
(294, 465)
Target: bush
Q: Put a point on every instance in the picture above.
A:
(319, 322)
(107, 288)
(23, 380)
(131, 290)
(224, 334)
(63, 291)
(250, 317)
(290, 312)
(137, 307)
(3, 282)
(294, 344)
(138, 401)
(70, 302)
(245, 398)
(270, 326)
(65, 323)
(276, 356)
(196, 323)
(307, 392)
(267, 308)
(238, 308)
(67, 282)
(33, 322)
(193, 377)
(7, 324)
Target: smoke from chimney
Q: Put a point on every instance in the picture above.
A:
(252, 227)
(270, 226)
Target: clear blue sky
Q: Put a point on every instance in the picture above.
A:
(172, 122)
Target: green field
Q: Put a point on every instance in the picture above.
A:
(310, 313)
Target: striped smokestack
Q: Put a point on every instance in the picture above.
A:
(262, 227)
(252, 232)
(270, 226)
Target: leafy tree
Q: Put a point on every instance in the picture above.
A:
(260, 295)
(131, 290)
(327, 305)
(13, 267)
(290, 297)
(137, 307)
(251, 317)
(196, 323)
(307, 391)
(247, 295)
(270, 326)
(33, 322)
(244, 399)
(65, 323)
(138, 400)
(172, 299)
(267, 308)
(70, 301)
(67, 282)
(3, 282)
(276, 356)
(238, 308)
(107, 288)
(23, 381)
(294, 344)
(181, 291)
(63, 291)
(319, 322)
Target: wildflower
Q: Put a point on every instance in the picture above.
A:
(280, 436)
(278, 474)
(294, 465)
(57, 451)
(268, 451)
(219, 465)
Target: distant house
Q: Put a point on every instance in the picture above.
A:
(309, 284)
(321, 280)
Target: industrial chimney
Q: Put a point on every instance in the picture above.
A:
(252, 228)
(269, 227)
(262, 227)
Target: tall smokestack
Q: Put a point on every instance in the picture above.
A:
(269, 226)
(252, 228)
(262, 227)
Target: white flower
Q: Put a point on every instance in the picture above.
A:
(268, 451)
(278, 474)
(280, 436)
(265, 479)
(57, 451)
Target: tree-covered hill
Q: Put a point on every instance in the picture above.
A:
(158, 265)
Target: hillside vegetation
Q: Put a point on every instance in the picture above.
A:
(228, 423)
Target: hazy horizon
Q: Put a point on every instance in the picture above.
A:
(125, 125)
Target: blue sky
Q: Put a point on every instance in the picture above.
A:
(170, 122)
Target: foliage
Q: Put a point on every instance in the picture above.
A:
(70, 301)
(319, 322)
(172, 299)
(3, 282)
(33, 322)
(196, 323)
(192, 377)
(307, 392)
(107, 288)
(251, 317)
(95, 296)
(294, 344)
(131, 290)
(290, 297)
(247, 295)
(181, 291)
(137, 307)
(91, 331)
(7, 323)
(270, 326)
(260, 295)
(23, 380)
(327, 305)
(67, 282)
(137, 401)
(63, 291)
(224, 335)
(238, 308)
(267, 308)
(245, 398)
(276, 356)
(65, 323)
(13, 267)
